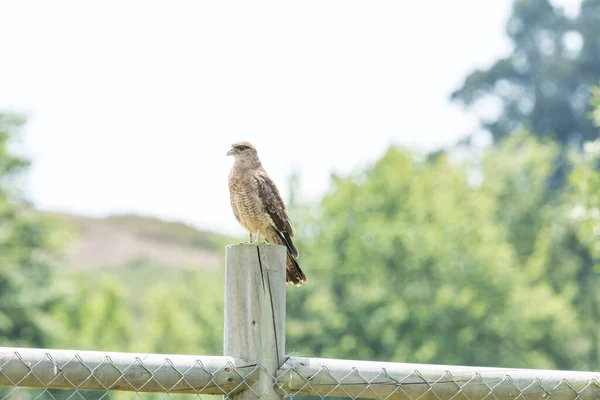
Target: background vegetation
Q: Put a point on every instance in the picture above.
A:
(481, 256)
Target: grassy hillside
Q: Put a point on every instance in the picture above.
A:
(121, 240)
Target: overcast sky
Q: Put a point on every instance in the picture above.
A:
(132, 105)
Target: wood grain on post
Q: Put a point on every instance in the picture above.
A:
(255, 312)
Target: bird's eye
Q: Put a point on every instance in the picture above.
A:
(242, 148)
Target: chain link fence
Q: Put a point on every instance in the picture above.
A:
(64, 374)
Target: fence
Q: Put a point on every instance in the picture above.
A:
(254, 365)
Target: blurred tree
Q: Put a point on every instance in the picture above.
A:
(141, 308)
(544, 83)
(516, 174)
(97, 314)
(28, 243)
(583, 211)
(544, 235)
(184, 317)
(411, 262)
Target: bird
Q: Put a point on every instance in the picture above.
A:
(259, 208)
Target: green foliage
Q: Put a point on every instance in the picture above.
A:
(585, 181)
(10, 164)
(544, 83)
(141, 308)
(185, 317)
(27, 246)
(516, 174)
(410, 261)
(96, 313)
(584, 211)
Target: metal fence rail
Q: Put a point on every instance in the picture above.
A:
(92, 370)
(380, 380)
(85, 371)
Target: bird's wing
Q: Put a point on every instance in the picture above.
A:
(276, 210)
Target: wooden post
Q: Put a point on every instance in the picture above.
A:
(255, 312)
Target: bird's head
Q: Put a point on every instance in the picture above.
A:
(243, 151)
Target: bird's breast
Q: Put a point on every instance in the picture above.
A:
(245, 198)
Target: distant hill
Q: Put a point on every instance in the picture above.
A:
(120, 240)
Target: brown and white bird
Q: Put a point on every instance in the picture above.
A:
(259, 208)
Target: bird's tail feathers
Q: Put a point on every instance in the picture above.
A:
(294, 273)
(286, 240)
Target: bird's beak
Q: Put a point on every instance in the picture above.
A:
(229, 153)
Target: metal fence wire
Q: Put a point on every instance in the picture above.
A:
(65, 374)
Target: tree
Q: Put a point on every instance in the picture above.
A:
(184, 316)
(27, 246)
(412, 261)
(540, 227)
(96, 313)
(583, 211)
(545, 83)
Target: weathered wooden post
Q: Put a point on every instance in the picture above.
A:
(255, 312)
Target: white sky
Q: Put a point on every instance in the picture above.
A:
(133, 104)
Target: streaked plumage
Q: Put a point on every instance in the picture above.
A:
(259, 208)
